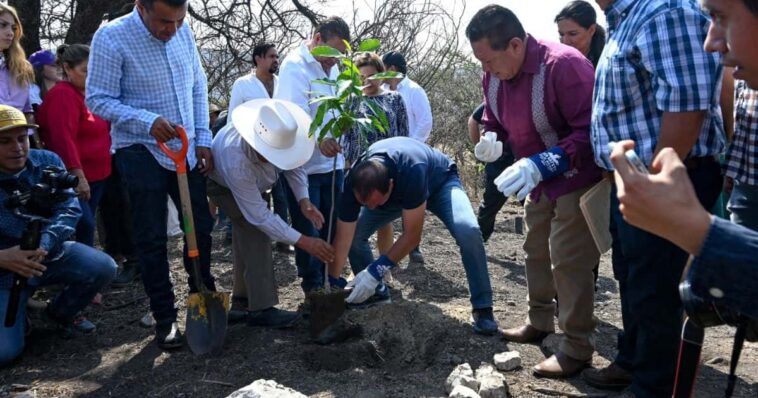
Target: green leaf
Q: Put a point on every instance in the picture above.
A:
(321, 99)
(380, 116)
(386, 75)
(350, 68)
(343, 88)
(348, 47)
(326, 82)
(369, 45)
(327, 129)
(326, 51)
(316, 122)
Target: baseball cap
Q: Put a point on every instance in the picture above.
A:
(11, 118)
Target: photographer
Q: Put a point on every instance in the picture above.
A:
(82, 270)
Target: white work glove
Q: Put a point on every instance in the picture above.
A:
(520, 178)
(363, 285)
(489, 149)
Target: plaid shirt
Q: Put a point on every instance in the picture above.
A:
(654, 62)
(62, 224)
(742, 155)
(135, 78)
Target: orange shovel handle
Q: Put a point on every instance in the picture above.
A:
(179, 157)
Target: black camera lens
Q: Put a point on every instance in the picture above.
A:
(65, 180)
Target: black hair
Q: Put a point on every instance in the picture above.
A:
(497, 24)
(369, 175)
(173, 3)
(72, 55)
(260, 51)
(396, 59)
(333, 27)
(752, 6)
(584, 15)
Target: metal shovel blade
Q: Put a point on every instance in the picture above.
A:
(206, 322)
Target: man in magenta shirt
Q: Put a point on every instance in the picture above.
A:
(538, 99)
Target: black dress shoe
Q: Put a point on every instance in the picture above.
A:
(168, 336)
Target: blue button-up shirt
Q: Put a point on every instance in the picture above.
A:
(654, 62)
(62, 224)
(726, 270)
(742, 155)
(134, 78)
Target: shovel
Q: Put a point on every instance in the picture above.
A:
(206, 310)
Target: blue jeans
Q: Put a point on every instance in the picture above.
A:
(85, 228)
(451, 204)
(311, 269)
(82, 270)
(648, 269)
(148, 184)
(743, 204)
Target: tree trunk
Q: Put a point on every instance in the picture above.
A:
(88, 16)
(29, 14)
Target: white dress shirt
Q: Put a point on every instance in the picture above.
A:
(418, 108)
(238, 167)
(296, 75)
(247, 88)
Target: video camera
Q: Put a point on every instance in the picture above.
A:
(35, 205)
(702, 314)
(39, 199)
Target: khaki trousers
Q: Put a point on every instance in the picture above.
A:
(560, 256)
(251, 249)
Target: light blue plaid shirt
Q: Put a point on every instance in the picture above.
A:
(134, 78)
(654, 62)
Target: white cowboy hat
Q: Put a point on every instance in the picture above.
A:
(276, 129)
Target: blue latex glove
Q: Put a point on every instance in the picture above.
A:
(337, 282)
(364, 284)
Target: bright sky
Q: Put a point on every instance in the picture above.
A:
(536, 15)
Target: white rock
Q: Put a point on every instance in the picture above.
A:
(463, 392)
(265, 389)
(507, 361)
(462, 375)
(486, 369)
(493, 386)
(551, 344)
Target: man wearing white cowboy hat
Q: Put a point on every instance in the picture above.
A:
(266, 137)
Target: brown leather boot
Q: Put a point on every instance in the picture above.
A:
(524, 334)
(612, 377)
(560, 365)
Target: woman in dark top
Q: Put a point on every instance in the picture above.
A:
(360, 138)
(578, 28)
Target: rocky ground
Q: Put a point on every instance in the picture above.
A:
(408, 349)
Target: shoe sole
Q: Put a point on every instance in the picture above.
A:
(559, 376)
(170, 346)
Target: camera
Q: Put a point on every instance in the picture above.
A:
(40, 198)
(707, 314)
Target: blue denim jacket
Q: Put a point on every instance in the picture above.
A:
(62, 224)
(726, 270)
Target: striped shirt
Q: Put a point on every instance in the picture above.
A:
(134, 78)
(654, 62)
(742, 155)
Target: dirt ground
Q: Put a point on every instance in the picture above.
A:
(407, 350)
